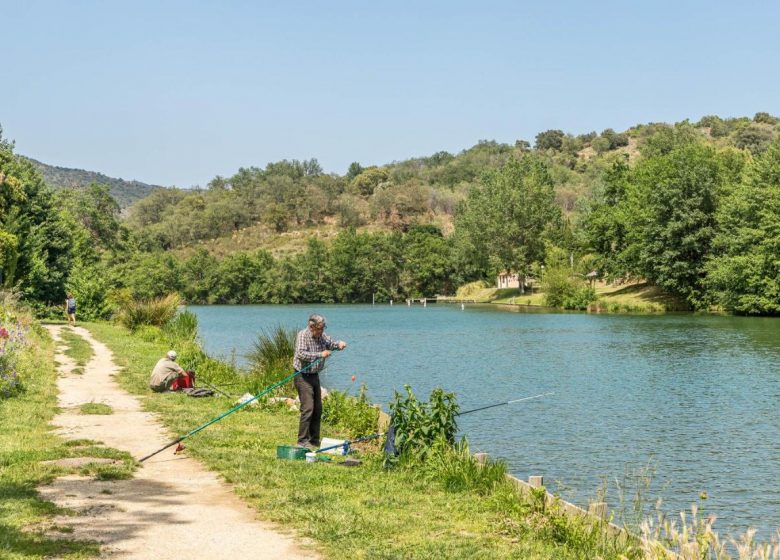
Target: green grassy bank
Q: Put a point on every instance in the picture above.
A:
(27, 530)
(360, 512)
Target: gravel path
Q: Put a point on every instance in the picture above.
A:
(173, 508)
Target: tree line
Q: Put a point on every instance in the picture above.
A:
(690, 207)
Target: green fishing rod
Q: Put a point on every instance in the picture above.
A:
(239, 406)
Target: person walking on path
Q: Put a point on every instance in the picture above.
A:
(311, 344)
(70, 309)
(166, 373)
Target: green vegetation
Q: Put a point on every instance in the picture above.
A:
(368, 511)
(26, 441)
(675, 206)
(76, 348)
(124, 192)
(96, 408)
(154, 312)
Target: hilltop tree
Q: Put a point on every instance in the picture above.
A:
(511, 215)
(549, 140)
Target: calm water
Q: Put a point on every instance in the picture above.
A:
(692, 398)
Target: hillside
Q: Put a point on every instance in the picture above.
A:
(275, 207)
(124, 192)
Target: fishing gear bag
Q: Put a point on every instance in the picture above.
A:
(186, 382)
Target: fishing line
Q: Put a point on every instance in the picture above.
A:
(232, 410)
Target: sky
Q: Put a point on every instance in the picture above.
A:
(176, 93)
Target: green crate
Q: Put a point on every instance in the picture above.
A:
(292, 452)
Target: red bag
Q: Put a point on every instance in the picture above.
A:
(186, 382)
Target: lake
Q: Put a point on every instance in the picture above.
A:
(691, 400)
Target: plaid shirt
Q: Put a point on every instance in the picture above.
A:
(308, 349)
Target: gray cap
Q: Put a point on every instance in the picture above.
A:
(171, 354)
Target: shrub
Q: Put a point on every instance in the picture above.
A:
(468, 290)
(580, 299)
(421, 427)
(13, 337)
(155, 311)
(355, 415)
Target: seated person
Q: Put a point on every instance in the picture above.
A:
(167, 375)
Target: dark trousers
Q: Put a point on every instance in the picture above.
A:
(309, 393)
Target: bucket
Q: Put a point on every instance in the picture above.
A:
(311, 457)
(292, 452)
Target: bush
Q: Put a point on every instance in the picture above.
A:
(581, 298)
(155, 311)
(355, 415)
(13, 338)
(421, 427)
(468, 290)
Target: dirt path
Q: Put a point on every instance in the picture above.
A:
(173, 508)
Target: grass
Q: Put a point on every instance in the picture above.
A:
(632, 298)
(77, 349)
(26, 440)
(363, 512)
(95, 408)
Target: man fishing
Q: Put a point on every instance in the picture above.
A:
(312, 346)
(167, 375)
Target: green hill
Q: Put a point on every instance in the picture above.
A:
(124, 192)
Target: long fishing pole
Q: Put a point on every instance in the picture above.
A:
(346, 444)
(215, 388)
(503, 403)
(232, 410)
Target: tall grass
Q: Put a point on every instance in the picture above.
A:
(156, 312)
(271, 360)
(183, 327)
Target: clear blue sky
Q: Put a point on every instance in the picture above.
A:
(174, 92)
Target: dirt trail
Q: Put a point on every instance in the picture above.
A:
(173, 508)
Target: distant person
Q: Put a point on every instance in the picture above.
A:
(167, 375)
(70, 309)
(311, 344)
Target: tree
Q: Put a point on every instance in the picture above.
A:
(745, 271)
(365, 183)
(354, 170)
(765, 118)
(427, 262)
(672, 218)
(37, 244)
(606, 217)
(512, 214)
(549, 140)
(753, 137)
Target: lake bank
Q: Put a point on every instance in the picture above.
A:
(631, 392)
(366, 511)
(637, 297)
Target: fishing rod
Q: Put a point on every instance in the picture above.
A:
(232, 410)
(215, 388)
(391, 432)
(539, 396)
